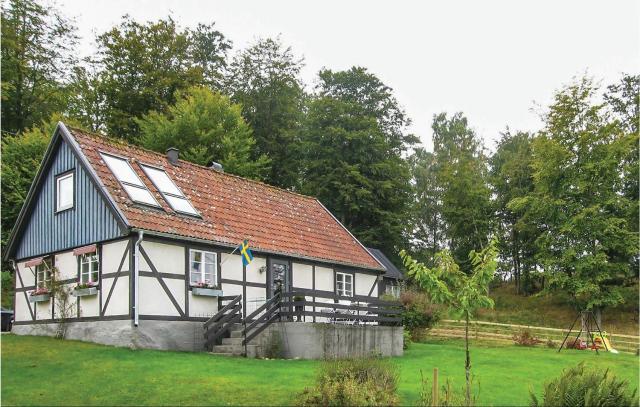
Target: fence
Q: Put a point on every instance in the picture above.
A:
(498, 332)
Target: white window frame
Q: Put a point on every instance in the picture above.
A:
(59, 179)
(43, 269)
(176, 194)
(88, 259)
(341, 286)
(203, 279)
(141, 186)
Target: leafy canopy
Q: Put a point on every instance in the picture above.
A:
(205, 126)
(447, 284)
(265, 80)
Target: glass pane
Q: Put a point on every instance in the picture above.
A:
(196, 277)
(209, 257)
(122, 170)
(65, 192)
(140, 195)
(162, 181)
(94, 276)
(181, 205)
(196, 256)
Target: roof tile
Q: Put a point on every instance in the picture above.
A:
(232, 208)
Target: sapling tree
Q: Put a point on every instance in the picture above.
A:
(462, 293)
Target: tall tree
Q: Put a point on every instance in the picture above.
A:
(586, 242)
(143, 65)
(427, 222)
(511, 177)
(461, 168)
(206, 127)
(37, 57)
(265, 80)
(352, 166)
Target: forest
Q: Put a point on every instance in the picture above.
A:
(562, 201)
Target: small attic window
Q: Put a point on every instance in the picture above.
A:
(64, 191)
(130, 181)
(169, 190)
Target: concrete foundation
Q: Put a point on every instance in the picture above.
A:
(306, 340)
(163, 335)
(302, 340)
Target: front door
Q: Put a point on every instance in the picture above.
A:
(278, 277)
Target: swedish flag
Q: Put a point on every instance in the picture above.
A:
(245, 253)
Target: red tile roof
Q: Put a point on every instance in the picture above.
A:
(232, 208)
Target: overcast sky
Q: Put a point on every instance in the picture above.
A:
(493, 60)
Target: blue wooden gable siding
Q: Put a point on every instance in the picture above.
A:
(89, 221)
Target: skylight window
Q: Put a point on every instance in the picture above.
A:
(169, 190)
(130, 181)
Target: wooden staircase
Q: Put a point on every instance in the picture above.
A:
(228, 333)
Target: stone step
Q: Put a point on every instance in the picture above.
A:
(235, 349)
(232, 341)
(221, 354)
(236, 333)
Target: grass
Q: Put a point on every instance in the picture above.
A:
(39, 370)
(557, 311)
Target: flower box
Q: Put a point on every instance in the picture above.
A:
(207, 292)
(39, 297)
(82, 292)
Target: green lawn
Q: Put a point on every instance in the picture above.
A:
(37, 371)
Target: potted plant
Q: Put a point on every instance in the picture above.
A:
(85, 289)
(299, 309)
(206, 289)
(40, 294)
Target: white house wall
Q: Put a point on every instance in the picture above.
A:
(111, 258)
(231, 267)
(363, 284)
(167, 258)
(253, 270)
(302, 275)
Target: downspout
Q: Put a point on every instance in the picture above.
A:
(136, 277)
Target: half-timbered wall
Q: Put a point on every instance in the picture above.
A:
(111, 300)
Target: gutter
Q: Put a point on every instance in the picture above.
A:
(136, 278)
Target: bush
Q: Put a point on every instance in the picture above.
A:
(406, 339)
(353, 382)
(448, 396)
(418, 312)
(586, 387)
(275, 346)
(525, 338)
(551, 343)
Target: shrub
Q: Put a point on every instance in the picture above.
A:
(448, 396)
(353, 382)
(406, 339)
(275, 347)
(525, 338)
(418, 313)
(586, 387)
(551, 343)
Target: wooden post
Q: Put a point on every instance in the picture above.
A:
(435, 399)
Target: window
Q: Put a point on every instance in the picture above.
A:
(89, 266)
(130, 181)
(393, 290)
(344, 284)
(203, 268)
(64, 192)
(43, 274)
(169, 190)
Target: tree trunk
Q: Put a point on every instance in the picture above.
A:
(467, 363)
(584, 325)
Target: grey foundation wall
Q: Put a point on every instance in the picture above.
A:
(306, 340)
(163, 335)
(302, 340)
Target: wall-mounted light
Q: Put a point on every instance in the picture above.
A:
(262, 269)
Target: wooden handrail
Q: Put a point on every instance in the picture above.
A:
(333, 296)
(220, 313)
(356, 307)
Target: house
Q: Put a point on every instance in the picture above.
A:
(391, 280)
(119, 245)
